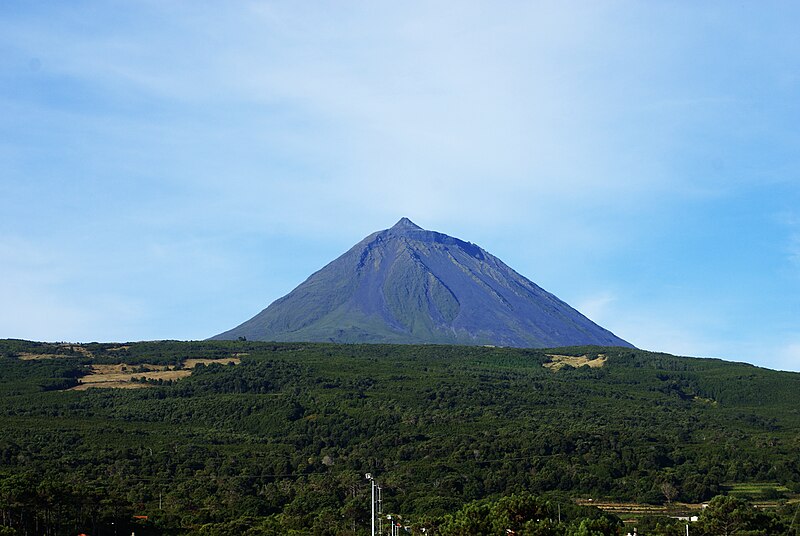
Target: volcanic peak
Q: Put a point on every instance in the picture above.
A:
(409, 285)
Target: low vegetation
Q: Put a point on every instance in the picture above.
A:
(458, 437)
(557, 362)
(126, 376)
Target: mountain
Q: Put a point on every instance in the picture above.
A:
(412, 286)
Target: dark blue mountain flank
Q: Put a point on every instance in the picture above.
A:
(409, 285)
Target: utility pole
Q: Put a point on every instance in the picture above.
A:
(794, 520)
(380, 510)
(372, 506)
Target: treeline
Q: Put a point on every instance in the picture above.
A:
(53, 508)
(283, 439)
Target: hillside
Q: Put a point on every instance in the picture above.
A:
(287, 433)
(408, 285)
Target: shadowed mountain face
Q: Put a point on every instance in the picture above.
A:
(409, 285)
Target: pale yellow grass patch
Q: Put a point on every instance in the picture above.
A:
(122, 368)
(25, 356)
(191, 363)
(120, 376)
(78, 348)
(557, 362)
(109, 385)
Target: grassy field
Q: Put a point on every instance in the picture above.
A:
(557, 362)
(758, 491)
(121, 376)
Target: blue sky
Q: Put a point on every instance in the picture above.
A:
(168, 169)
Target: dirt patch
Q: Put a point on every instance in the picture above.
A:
(557, 362)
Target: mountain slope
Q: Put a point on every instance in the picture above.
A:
(409, 285)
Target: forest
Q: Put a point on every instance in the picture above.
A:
(463, 440)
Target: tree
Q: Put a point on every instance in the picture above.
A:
(727, 516)
(602, 526)
(473, 518)
(669, 491)
(514, 511)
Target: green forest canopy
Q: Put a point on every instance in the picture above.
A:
(286, 436)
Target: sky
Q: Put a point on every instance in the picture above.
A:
(169, 168)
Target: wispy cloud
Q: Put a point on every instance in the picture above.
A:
(789, 223)
(406, 108)
(592, 141)
(788, 357)
(31, 285)
(596, 307)
(659, 326)
(793, 249)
